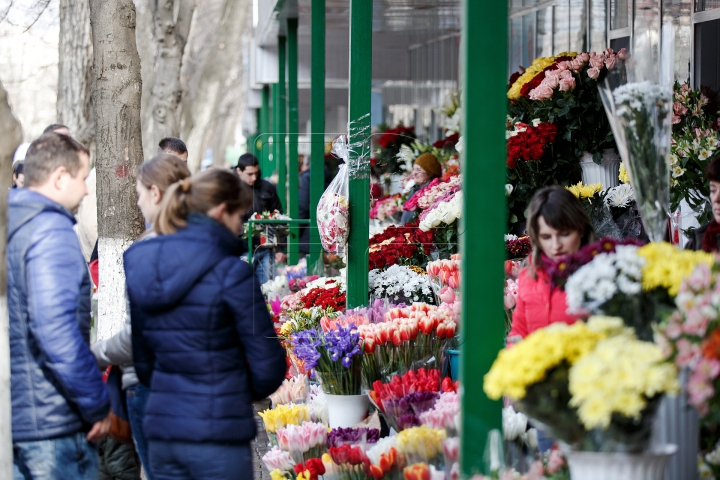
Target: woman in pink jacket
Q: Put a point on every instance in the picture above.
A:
(557, 226)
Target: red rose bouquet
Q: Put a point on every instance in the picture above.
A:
(388, 146)
(325, 298)
(406, 245)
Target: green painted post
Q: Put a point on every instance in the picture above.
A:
(274, 89)
(281, 126)
(483, 167)
(317, 126)
(361, 12)
(293, 131)
(264, 128)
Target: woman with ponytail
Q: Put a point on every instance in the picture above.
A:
(202, 336)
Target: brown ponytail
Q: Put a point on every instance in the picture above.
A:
(162, 171)
(201, 193)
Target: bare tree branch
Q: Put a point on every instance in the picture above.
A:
(37, 17)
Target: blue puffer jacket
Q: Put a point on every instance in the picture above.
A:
(202, 336)
(56, 385)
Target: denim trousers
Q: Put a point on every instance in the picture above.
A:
(62, 458)
(170, 460)
(262, 265)
(137, 397)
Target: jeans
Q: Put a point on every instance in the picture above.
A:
(262, 265)
(62, 458)
(137, 397)
(207, 461)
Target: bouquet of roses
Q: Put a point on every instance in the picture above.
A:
(445, 211)
(388, 147)
(333, 209)
(332, 298)
(268, 233)
(408, 338)
(387, 207)
(335, 356)
(297, 284)
(405, 245)
(528, 143)
(435, 191)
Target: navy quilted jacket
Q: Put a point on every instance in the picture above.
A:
(56, 385)
(202, 336)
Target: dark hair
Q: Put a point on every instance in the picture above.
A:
(18, 168)
(55, 126)
(200, 193)
(562, 211)
(247, 160)
(172, 144)
(162, 171)
(712, 172)
(50, 152)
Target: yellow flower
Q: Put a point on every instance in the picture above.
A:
(619, 376)
(277, 475)
(623, 175)
(421, 440)
(284, 415)
(584, 191)
(527, 362)
(538, 65)
(666, 266)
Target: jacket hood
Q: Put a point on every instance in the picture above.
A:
(24, 205)
(162, 270)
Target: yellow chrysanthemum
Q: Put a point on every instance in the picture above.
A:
(619, 376)
(666, 265)
(527, 362)
(584, 191)
(623, 175)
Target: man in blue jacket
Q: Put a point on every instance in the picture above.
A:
(59, 401)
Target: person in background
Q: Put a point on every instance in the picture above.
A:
(202, 336)
(425, 169)
(60, 404)
(557, 225)
(707, 236)
(265, 199)
(173, 146)
(57, 128)
(153, 178)
(18, 179)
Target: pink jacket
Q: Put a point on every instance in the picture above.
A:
(538, 304)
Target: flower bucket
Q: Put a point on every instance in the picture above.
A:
(605, 173)
(454, 361)
(347, 410)
(620, 466)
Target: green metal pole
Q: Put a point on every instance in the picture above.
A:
(361, 12)
(281, 130)
(483, 167)
(263, 131)
(293, 131)
(274, 89)
(317, 126)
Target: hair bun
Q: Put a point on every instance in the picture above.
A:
(185, 184)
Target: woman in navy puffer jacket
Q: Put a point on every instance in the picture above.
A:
(202, 337)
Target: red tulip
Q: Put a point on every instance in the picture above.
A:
(418, 471)
(369, 345)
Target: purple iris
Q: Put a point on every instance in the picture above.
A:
(305, 346)
(343, 344)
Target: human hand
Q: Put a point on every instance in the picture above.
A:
(99, 430)
(280, 257)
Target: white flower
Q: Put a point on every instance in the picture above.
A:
(445, 212)
(620, 196)
(536, 121)
(509, 237)
(382, 446)
(704, 154)
(514, 423)
(406, 156)
(399, 280)
(318, 405)
(677, 172)
(508, 189)
(460, 144)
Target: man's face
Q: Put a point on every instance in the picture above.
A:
(249, 175)
(72, 189)
(181, 156)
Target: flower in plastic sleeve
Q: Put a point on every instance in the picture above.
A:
(514, 423)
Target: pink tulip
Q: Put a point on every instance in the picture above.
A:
(447, 295)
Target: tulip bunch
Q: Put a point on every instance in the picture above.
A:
(283, 415)
(402, 413)
(421, 444)
(422, 471)
(291, 390)
(277, 459)
(352, 461)
(310, 470)
(303, 441)
(385, 463)
(445, 272)
(408, 337)
(352, 436)
(444, 413)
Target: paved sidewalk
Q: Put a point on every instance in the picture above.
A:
(260, 444)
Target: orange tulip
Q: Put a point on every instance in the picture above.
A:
(418, 471)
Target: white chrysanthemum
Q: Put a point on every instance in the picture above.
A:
(620, 196)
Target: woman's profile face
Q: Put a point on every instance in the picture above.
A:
(556, 243)
(715, 199)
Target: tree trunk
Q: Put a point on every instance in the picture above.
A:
(172, 19)
(118, 137)
(11, 133)
(74, 99)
